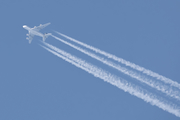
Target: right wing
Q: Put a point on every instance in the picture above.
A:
(30, 37)
(40, 27)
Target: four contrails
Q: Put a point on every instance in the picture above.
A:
(156, 81)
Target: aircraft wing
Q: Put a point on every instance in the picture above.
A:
(40, 27)
(30, 37)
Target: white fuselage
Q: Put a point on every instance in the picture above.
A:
(33, 32)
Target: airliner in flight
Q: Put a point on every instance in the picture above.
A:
(35, 31)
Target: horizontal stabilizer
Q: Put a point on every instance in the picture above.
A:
(46, 35)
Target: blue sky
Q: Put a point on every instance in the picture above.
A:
(36, 85)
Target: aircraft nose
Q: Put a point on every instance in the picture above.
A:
(24, 26)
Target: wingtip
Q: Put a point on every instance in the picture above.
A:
(30, 41)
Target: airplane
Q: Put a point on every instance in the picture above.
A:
(35, 31)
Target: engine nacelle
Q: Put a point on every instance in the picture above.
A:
(27, 38)
(27, 34)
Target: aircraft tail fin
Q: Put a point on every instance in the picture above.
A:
(46, 35)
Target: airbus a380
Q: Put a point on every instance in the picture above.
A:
(35, 31)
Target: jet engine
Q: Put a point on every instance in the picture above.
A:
(27, 34)
(27, 38)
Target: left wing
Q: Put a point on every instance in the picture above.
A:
(40, 27)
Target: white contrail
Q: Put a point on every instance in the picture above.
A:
(116, 81)
(154, 84)
(127, 63)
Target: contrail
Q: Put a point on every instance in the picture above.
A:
(116, 81)
(127, 63)
(154, 84)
